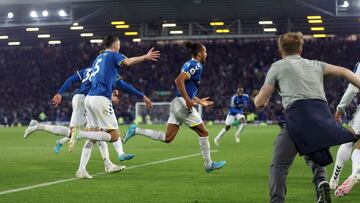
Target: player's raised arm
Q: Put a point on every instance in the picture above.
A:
(56, 100)
(152, 55)
(338, 71)
(180, 84)
(128, 88)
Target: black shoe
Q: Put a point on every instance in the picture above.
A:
(324, 192)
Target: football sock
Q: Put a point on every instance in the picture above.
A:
(221, 133)
(85, 154)
(97, 135)
(104, 151)
(118, 147)
(205, 150)
(239, 130)
(64, 140)
(342, 156)
(55, 129)
(153, 134)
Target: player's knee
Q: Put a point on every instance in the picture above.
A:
(204, 133)
(114, 138)
(169, 138)
(227, 127)
(89, 144)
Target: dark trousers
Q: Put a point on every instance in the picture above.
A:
(283, 156)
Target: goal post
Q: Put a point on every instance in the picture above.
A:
(158, 115)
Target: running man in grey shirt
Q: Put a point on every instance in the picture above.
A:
(299, 82)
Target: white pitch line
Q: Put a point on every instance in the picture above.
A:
(97, 174)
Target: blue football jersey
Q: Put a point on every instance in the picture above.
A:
(84, 76)
(193, 70)
(238, 102)
(105, 70)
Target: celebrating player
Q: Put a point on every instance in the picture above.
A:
(344, 151)
(238, 102)
(182, 107)
(99, 111)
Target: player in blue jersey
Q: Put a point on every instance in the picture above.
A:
(100, 114)
(238, 102)
(182, 107)
(78, 119)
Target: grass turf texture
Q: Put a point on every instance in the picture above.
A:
(244, 178)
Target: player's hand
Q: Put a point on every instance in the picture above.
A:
(115, 97)
(338, 116)
(190, 104)
(56, 100)
(152, 55)
(205, 102)
(148, 102)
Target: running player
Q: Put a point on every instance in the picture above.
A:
(181, 107)
(100, 115)
(344, 151)
(238, 102)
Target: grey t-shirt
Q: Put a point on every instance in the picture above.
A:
(297, 78)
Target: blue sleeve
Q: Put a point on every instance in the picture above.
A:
(129, 88)
(119, 58)
(69, 81)
(190, 70)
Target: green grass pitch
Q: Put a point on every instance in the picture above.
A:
(244, 178)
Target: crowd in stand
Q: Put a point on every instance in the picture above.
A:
(30, 76)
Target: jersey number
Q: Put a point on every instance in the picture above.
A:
(87, 75)
(96, 69)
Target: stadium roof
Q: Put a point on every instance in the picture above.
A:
(192, 18)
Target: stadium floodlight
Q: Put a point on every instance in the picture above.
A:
(76, 28)
(96, 41)
(317, 28)
(345, 4)
(169, 25)
(265, 22)
(136, 40)
(313, 17)
(319, 35)
(87, 34)
(33, 14)
(270, 29)
(315, 21)
(45, 13)
(122, 26)
(62, 13)
(130, 33)
(54, 42)
(117, 22)
(176, 32)
(44, 36)
(10, 15)
(217, 23)
(75, 24)
(14, 43)
(4, 37)
(222, 31)
(32, 29)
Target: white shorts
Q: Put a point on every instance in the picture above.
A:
(179, 113)
(230, 118)
(355, 122)
(100, 113)
(78, 117)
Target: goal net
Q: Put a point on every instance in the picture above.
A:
(158, 115)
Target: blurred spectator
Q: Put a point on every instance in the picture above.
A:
(31, 76)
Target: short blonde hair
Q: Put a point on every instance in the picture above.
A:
(291, 43)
